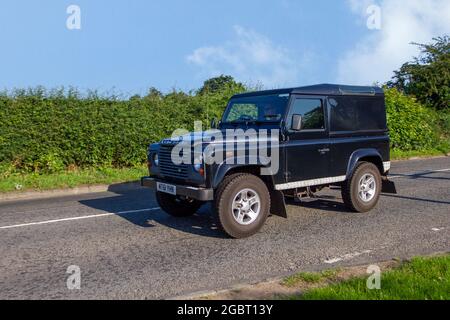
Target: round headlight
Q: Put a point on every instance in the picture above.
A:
(156, 159)
(198, 166)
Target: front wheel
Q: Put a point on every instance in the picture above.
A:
(362, 191)
(242, 204)
(177, 207)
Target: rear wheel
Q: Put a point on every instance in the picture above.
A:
(242, 204)
(176, 206)
(362, 191)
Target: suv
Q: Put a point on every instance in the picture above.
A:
(320, 136)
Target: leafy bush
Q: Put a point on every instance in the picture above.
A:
(444, 123)
(412, 126)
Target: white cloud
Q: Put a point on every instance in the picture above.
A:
(375, 57)
(250, 57)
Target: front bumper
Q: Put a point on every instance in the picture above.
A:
(200, 194)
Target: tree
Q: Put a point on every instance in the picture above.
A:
(154, 93)
(219, 84)
(427, 77)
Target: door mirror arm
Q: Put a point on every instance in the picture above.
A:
(284, 131)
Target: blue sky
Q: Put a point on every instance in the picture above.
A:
(135, 44)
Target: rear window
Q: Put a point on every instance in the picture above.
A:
(350, 113)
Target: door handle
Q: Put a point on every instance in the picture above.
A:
(324, 150)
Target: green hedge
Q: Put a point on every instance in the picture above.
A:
(412, 126)
(48, 132)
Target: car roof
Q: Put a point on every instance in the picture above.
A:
(320, 89)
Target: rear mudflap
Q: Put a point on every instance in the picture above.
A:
(277, 203)
(388, 186)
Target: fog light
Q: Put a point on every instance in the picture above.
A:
(156, 159)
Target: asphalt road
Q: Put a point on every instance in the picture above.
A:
(126, 251)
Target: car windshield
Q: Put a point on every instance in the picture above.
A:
(265, 108)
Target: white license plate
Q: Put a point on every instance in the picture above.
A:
(166, 188)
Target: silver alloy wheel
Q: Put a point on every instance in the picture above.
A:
(367, 187)
(246, 207)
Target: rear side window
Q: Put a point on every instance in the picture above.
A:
(350, 113)
(311, 111)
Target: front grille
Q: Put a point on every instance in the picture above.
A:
(168, 168)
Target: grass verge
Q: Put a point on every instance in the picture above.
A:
(309, 277)
(69, 179)
(404, 155)
(418, 279)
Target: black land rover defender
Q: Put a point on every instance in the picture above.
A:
(327, 135)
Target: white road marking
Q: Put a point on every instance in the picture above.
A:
(437, 229)
(331, 261)
(77, 218)
(347, 256)
(418, 173)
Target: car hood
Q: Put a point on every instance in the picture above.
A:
(220, 137)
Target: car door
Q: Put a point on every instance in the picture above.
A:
(307, 151)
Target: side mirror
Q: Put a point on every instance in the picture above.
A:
(213, 123)
(296, 122)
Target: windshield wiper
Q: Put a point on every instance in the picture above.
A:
(243, 119)
(270, 119)
(238, 122)
(247, 123)
(272, 116)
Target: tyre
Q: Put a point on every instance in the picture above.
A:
(242, 204)
(176, 206)
(362, 191)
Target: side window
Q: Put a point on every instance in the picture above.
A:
(342, 113)
(357, 113)
(311, 111)
(371, 114)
